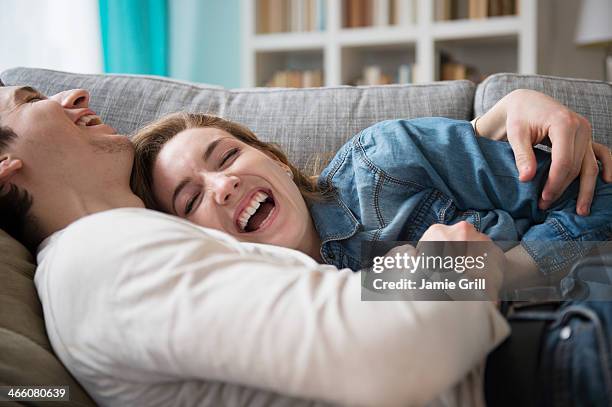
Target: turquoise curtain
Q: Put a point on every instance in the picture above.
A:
(135, 36)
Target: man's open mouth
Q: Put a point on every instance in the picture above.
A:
(88, 120)
(257, 212)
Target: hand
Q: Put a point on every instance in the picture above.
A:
(459, 232)
(467, 241)
(527, 118)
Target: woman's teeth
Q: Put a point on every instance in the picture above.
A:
(251, 208)
(89, 120)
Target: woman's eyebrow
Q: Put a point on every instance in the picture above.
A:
(211, 148)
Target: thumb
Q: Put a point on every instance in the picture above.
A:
(519, 138)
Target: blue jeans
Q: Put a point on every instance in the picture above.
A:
(575, 363)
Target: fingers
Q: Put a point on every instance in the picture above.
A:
(603, 154)
(563, 168)
(522, 147)
(588, 180)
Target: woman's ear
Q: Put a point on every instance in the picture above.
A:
(9, 166)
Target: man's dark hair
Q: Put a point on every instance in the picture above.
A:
(15, 203)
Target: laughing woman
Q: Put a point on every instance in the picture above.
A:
(390, 182)
(401, 180)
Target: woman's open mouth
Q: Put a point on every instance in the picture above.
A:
(257, 213)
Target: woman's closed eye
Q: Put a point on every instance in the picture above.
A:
(231, 153)
(190, 203)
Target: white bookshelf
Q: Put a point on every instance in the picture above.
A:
(494, 44)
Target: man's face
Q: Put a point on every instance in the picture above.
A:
(59, 137)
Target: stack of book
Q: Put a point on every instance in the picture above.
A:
(367, 13)
(296, 79)
(275, 16)
(451, 70)
(473, 9)
(374, 75)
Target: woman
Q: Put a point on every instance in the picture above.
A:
(391, 182)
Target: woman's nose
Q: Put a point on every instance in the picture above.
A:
(224, 187)
(74, 99)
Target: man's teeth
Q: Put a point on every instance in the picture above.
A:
(251, 208)
(89, 120)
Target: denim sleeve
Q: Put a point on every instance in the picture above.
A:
(445, 154)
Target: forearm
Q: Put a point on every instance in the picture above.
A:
(521, 270)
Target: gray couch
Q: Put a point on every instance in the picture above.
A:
(305, 122)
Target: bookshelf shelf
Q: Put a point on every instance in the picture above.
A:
(289, 41)
(493, 26)
(376, 35)
(399, 39)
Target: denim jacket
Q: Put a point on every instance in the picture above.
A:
(396, 178)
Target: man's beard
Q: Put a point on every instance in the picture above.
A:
(113, 145)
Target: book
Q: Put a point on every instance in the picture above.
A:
(404, 74)
(320, 13)
(508, 7)
(380, 12)
(355, 13)
(403, 11)
(461, 10)
(263, 14)
(478, 9)
(296, 78)
(372, 75)
(275, 15)
(310, 15)
(366, 13)
(450, 71)
(495, 8)
(442, 10)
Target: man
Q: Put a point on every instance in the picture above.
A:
(147, 309)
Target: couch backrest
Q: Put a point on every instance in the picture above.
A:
(592, 99)
(302, 121)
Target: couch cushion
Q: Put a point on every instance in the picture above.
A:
(302, 121)
(26, 357)
(592, 99)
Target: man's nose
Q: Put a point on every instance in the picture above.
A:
(74, 99)
(224, 187)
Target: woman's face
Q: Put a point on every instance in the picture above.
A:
(214, 180)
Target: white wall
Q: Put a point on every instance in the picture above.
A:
(557, 53)
(54, 34)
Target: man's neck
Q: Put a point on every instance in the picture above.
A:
(59, 214)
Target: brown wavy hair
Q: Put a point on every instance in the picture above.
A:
(149, 141)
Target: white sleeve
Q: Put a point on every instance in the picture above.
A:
(197, 307)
